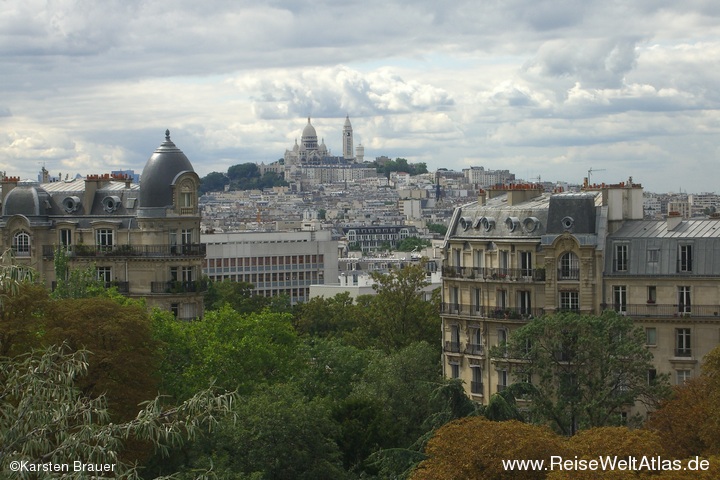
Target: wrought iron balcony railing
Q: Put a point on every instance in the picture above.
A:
(196, 286)
(495, 274)
(79, 251)
(510, 313)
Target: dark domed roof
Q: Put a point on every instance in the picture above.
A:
(159, 172)
(26, 199)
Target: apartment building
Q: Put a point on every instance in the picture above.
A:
(276, 263)
(519, 252)
(143, 239)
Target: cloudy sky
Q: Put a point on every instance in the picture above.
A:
(547, 88)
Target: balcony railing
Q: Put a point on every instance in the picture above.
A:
(196, 286)
(453, 347)
(669, 310)
(495, 274)
(510, 313)
(476, 387)
(683, 352)
(568, 274)
(80, 251)
(122, 287)
(474, 349)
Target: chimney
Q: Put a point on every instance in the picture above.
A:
(674, 219)
(8, 183)
(92, 183)
(482, 198)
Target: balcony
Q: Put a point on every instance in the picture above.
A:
(568, 274)
(453, 347)
(476, 388)
(146, 251)
(671, 310)
(683, 352)
(197, 286)
(122, 287)
(495, 274)
(509, 313)
(474, 349)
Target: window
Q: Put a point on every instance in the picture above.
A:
(651, 376)
(682, 342)
(653, 255)
(455, 299)
(501, 300)
(104, 239)
(684, 305)
(620, 298)
(685, 258)
(621, 257)
(651, 336)
(504, 260)
(477, 299)
(174, 308)
(475, 346)
(502, 337)
(454, 344)
(502, 380)
(476, 385)
(186, 199)
(569, 267)
(526, 264)
(186, 236)
(651, 294)
(570, 301)
(174, 274)
(524, 302)
(65, 237)
(21, 244)
(455, 370)
(682, 376)
(479, 259)
(104, 274)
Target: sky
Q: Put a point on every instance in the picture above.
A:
(547, 89)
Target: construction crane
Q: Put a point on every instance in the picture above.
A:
(590, 170)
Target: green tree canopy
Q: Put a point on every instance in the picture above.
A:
(239, 351)
(411, 243)
(45, 418)
(585, 369)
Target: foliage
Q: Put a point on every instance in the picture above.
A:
(411, 243)
(332, 317)
(240, 351)
(689, 421)
(239, 296)
(398, 313)
(474, 447)
(79, 282)
(12, 275)
(213, 182)
(244, 176)
(21, 315)
(124, 355)
(438, 228)
(586, 369)
(400, 165)
(46, 419)
(278, 434)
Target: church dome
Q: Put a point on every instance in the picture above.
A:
(160, 170)
(26, 199)
(309, 130)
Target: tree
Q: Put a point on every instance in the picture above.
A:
(438, 228)
(278, 434)
(689, 421)
(233, 350)
(79, 282)
(411, 243)
(585, 369)
(399, 314)
(213, 182)
(474, 447)
(238, 295)
(45, 418)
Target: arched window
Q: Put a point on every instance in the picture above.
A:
(21, 244)
(569, 268)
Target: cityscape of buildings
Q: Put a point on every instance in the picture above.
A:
(514, 249)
